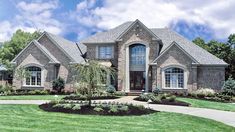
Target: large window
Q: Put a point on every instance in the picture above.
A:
(105, 52)
(137, 54)
(34, 78)
(174, 78)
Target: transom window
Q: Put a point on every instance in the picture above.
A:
(137, 54)
(34, 78)
(105, 52)
(174, 78)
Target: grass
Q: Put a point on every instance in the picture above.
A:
(30, 118)
(31, 97)
(209, 104)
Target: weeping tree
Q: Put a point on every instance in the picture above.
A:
(22, 73)
(92, 74)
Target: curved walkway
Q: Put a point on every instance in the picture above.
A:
(225, 117)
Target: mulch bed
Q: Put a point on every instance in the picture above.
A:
(86, 110)
(167, 102)
(93, 98)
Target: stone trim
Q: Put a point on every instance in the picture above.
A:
(127, 66)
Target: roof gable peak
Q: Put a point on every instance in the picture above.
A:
(139, 24)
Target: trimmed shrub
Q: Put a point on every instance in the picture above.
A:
(38, 92)
(111, 89)
(67, 106)
(98, 109)
(76, 107)
(124, 108)
(120, 93)
(172, 98)
(113, 109)
(58, 84)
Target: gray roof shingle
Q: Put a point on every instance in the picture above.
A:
(53, 59)
(167, 36)
(70, 48)
(108, 36)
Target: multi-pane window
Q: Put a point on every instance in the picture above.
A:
(34, 79)
(105, 52)
(137, 54)
(174, 78)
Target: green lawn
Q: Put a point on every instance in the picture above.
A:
(31, 97)
(209, 104)
(30, 118)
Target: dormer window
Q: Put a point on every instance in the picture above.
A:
(105, 52)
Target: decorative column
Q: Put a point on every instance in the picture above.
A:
(127, 82)
(147, 69)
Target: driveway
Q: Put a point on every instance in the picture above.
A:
(225, 117)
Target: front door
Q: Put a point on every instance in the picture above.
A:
(137, 80)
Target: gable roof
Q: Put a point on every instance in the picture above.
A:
(68, 47)
(108, 36)
(141, 24)
(176, 44)
(41, 48)
(202, 56)
(166, 36)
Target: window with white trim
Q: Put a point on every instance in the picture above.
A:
(34, 78)
(105, 52)
(174, 78)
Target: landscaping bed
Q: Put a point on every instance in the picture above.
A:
(104, 108)
(81, 97)
(164, 99)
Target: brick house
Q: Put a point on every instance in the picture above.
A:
(145, 58)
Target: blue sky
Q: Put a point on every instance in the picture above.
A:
(77, 19)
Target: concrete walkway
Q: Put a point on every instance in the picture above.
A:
(218, 115)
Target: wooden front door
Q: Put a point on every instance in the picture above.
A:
(137, 80)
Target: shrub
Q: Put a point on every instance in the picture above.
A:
(204, 92)
(163, 96)
(124, 108)
(120, 93)
(229, 87)
(6, 89)
(76, 107)
(98, 109)
(157, 90)
(144, 97)
(58, 106)
(38, 92)
(81, 88)
(67, 106)
(58, 84)
(140, 107)
(111, 89)
(113, 109)
(172, 98)
(156, 99)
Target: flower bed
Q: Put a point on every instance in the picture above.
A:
(82, 97)
(104, 108)
(165, 99)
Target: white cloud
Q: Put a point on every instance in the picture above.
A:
(218, 15)
(32, 16)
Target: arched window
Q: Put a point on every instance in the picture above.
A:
(137, 54)
(34, 78)
(174, 78)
